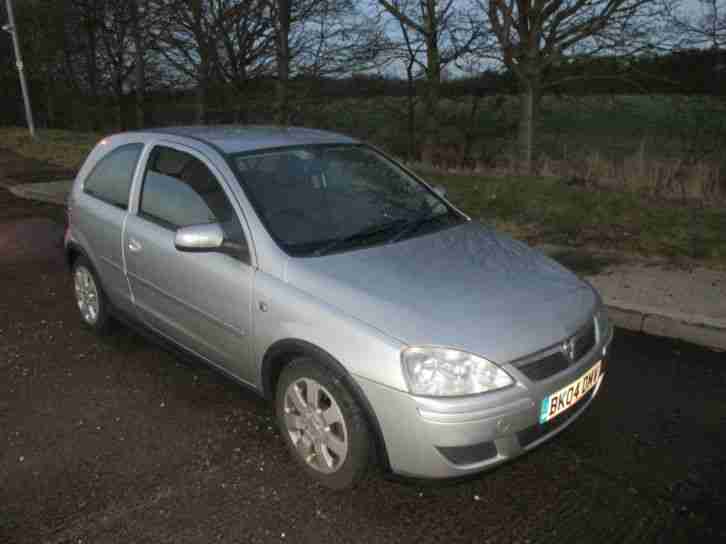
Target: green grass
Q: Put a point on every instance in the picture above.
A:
(60, 147)
(543, 210)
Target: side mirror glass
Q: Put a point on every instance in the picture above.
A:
(206, 238)
(199, 238)
(440, 190)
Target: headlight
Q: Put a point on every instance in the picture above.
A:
(442, 372)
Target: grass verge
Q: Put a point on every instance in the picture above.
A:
(59, 147)
(546, 210)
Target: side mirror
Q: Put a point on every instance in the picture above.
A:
(210, 237)
(199, 238)
(440, 190)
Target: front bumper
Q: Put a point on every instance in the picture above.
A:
(452, 437)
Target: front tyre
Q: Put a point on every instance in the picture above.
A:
(322, 424)
(90, 299)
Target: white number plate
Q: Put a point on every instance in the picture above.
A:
(559, 401)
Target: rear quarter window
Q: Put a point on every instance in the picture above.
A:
(110, 180)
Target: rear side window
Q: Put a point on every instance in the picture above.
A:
(110, 180)
(179, 190)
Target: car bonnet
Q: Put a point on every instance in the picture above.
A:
(466, 287)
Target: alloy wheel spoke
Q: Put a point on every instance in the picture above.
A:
(297, 399)
(323, 455)
(303, 446)
(332, 415)
(313, 394)
(294, 421)
(336, 445)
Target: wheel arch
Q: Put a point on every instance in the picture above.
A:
(72, 252)
(282, 352)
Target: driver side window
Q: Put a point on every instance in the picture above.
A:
(179, 191)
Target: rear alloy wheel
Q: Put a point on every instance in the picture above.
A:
(89, 297)
(322, 424)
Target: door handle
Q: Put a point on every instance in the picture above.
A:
(134, 245)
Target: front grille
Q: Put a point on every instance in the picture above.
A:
(545, 367)
(535, 432)
(551, 364)
(585, 341)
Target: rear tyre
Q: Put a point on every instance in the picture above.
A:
(322, 424)
(90, 298)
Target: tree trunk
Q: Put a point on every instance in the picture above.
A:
(92, 71)
(202, 89)
(526, 128)
(283, 62)
(433, 84)
(49, 103)
(282, 116)
(120, 108)
(202, 101)
(139, 66)
(410, 96)
(530, 96)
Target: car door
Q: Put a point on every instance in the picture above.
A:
(202, 301)
(100, 208)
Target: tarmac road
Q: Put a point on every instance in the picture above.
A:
(115, 440)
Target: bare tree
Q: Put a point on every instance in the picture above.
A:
(447, 31)
(116, 58)
(534, 35)
(317, 38)
(281, 11)
(201, 40)
(143, 17)
(86, 17)
(245, 50)
(701, 25)
(411, 53)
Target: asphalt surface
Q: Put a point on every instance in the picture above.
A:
(116, 440)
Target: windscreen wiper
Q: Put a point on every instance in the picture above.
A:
(359, 236)
(412, 226)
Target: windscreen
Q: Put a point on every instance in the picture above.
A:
(310, 196)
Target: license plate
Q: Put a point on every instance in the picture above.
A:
(564, 399)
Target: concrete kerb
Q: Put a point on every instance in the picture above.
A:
(658, 320)
(54, 192)
(692, 328)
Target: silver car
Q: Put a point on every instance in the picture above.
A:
(384, 324)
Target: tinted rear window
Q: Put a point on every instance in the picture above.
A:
(111, 178)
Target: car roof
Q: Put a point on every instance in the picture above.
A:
(241, 138)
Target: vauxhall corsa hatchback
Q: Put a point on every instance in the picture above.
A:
(383, 323)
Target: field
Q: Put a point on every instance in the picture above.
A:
(614, 125)
(638, 173)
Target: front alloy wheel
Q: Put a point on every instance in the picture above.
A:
(315, 424)
(322, 424)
